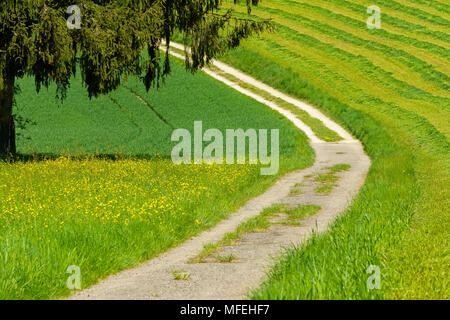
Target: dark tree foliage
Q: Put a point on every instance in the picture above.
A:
(35, 41)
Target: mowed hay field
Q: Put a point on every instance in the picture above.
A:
(95, 186)
(390, 88)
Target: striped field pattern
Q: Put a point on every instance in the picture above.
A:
(390, 88)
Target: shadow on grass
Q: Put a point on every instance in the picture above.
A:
(29, 157)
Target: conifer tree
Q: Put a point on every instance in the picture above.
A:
(115, 39)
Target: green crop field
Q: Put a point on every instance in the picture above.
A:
(390, 88)
(95, 186)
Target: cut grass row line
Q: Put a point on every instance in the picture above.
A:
(410, 61)
(325, 76)
(435, 54)
(395, 18)
(408, 91)
(409, 13)
(324, 53)
(329, 14)
(279, 76)
(427, 6)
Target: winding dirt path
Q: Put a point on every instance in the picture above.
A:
(255, 251)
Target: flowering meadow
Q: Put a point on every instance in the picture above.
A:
(104, 215)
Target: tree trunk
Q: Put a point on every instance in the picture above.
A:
(7, 128)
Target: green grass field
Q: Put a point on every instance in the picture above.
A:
(95, 186)
(390, 88)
